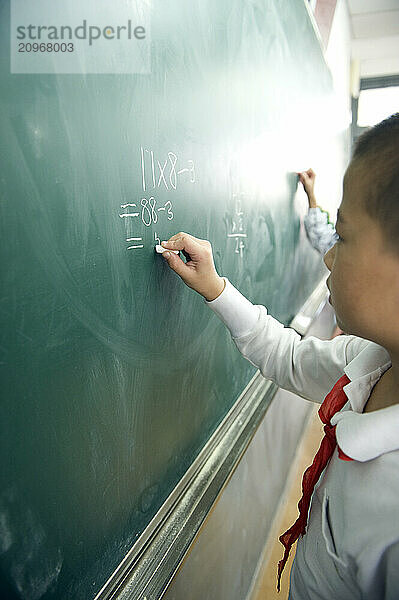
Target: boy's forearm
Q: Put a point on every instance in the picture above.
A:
(312, 201)
(215, 289)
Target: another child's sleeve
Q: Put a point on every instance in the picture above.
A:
(321, 234)
(308, 367)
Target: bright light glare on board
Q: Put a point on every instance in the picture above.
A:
(376, 105)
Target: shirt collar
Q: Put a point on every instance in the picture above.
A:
(370, 358)
(364, 371)
(364, 436)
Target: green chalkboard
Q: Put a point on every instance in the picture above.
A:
(113, 373)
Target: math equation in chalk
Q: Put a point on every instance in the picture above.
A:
(157, 175)
(237, 228)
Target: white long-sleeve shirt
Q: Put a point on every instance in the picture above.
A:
(321, 234)
(351, 548)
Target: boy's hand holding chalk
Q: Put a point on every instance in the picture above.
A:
(199, 271)
(161, 250)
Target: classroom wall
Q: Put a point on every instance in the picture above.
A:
(330, 162)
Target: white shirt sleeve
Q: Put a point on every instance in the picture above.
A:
(238, 313)
(308, 367)
(321, 234)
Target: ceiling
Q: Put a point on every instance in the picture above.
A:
(375, 36)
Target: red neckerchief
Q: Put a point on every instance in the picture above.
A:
(333, 402)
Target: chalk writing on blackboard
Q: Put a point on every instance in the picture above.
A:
(135, 240)
(237, 231)
(162, 173)
(156, 172)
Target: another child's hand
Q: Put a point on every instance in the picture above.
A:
(307, 178)
(199, 271)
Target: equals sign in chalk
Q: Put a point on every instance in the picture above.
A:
(161, 249)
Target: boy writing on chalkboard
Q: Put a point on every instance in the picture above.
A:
(348, 546)
(320, 233)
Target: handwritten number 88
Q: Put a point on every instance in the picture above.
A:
(148, 213)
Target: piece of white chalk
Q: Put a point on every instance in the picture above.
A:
(161, 250)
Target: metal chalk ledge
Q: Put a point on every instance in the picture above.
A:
(151, 563)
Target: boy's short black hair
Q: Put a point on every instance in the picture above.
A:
(378, 151)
